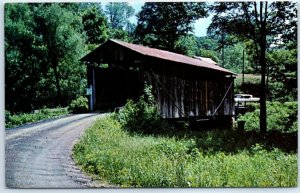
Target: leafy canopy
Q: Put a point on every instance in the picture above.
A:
(43, 43)
(118, 14)
(262, 23)
(161, 24)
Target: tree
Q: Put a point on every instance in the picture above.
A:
(22, 58)
(207, 47)
(283, 74)
(118, 14)
(234, 58)
(94, 24)
(62, 36)
(186, 45)
(43, 45)
(161, 24)
(224, 40)
(259, 22)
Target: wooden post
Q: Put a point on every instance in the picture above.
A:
(93, 90)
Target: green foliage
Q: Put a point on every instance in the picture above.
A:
(79, 105)
(234, 58)
(186, 45)
(23, 56)
(118, 14)
(120, 34)
(261, 26)
(207, 47)
(209, 54)
(94, 24)
(280, 117)
(129, 160)
(64, 43)
(161, 24)
(283, 74)
(20, 119)
(142, 116)
(43, 44)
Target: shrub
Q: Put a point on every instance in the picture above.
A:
(79, 105)
(7, 115)
(280, 116)
(20, 119)
(142, 116)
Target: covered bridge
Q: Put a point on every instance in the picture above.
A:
(182, 86)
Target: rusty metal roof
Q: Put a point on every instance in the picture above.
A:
(170, 56)
(209, 60)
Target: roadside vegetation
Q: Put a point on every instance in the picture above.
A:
(117, 149)
(79, 105)
(216, 158)
(22, 118)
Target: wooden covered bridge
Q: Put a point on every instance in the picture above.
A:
(182, 86)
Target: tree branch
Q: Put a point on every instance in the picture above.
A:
(256, 16)
(252, 28)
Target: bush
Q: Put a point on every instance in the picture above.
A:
(7, 115)
(280, 116)
(142, 116)
(20, 119)
(79, 105)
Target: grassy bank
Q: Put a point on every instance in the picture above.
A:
(215, 158)
(20, 119)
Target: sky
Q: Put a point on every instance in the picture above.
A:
(200, 27)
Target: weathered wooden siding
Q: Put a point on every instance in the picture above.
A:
(179, 98)
(182, 88)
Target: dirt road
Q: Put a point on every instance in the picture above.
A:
(39, 155)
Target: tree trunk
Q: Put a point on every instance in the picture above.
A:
(263, 109)
(262, 42)
(59, 96)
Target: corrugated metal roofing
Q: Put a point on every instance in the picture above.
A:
(170, 56)
(209, 60)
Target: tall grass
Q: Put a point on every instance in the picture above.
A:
(129, 160)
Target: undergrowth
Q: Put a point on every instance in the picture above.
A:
(136, 160)
(281, 117)
(22, 118)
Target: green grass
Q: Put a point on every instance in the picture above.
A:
(20, 119)
(216, 158)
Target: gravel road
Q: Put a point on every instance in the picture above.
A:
(39, 155)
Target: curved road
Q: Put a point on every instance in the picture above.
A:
(39, 155)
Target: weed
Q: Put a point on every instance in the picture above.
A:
(147, 161)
